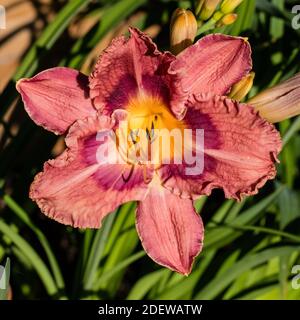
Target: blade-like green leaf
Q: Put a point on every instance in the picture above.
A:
(143, 286)
(31, 254)
(22, 214)
(218, 284)
(219, 236)
(4, 280)
(119, 267)
(49, 37)
(96, 252)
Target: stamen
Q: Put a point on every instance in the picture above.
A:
(129, 176)
(133, 137)
(151, 116)
(152, 130)
(148, 134)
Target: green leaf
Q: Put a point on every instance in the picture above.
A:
(277, 24)
(184, 288)
(49, 37)
(31, 254)
(288, 207)
(245, 14)
(219, 236)
(270, 231)
(293, 129)
(255, 293)
(199, 203)
(219, 283)
(143, 286)
(96, 252)
(4, 280)
(119, 267)
(283, 275)
(111, 17)
(125, 240)
(22, 214)
(288, 157)
(222, 212)
(273, 10)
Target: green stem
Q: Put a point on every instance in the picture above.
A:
(209, 25)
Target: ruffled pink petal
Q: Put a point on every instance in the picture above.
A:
(170, 230)
(56, 98)
(132, 66)
(77, 190)
(240, 150)
(213, 64)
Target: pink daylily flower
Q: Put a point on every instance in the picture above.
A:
(132, 76)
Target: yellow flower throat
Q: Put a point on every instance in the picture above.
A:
(150, 119)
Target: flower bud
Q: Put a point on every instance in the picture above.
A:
(242, 88)
(198, 6)
(228, 6)
(183, 30)
(217, 16)
(279, 102)
(227, 20)
(208, 8)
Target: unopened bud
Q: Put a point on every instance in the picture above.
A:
(208, 8)
(227, 20)
(198, 6)
(217, 16)
(183, 30)
(228, 6)
(279, 102)
(242, 88)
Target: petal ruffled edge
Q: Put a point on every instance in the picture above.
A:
(213, 64)
(128, 66)
(229, 161)
(75, 189)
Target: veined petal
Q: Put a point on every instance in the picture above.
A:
(56, 98)
(213, 64)
(133, 66)
(240, 150)
(170, 230)
(279, 102)
(76, 189)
